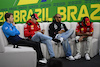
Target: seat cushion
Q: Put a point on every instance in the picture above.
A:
(10, 48)
(18, 57)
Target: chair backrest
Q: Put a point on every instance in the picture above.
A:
(3, 40)
(99, 37)
(96, 30)
(46, 27)
(20, 28)
(73, 26)
(67, 24)
(41, 26)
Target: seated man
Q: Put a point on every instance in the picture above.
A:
(84, 32)
(12, 35)
(33, 31)
(58, 30)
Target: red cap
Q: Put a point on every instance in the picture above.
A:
(87, 21)
(34, 16)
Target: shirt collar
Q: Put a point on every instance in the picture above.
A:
(7, 22)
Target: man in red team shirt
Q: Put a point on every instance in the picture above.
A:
(84, 32)
(33, 31)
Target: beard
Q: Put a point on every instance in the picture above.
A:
(11, 21)
(59, 20)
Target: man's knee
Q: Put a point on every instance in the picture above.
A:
(71, 30)
(38, 33)
(48, 40)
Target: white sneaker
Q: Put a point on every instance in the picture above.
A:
(87, 56)
(56, 36)
(70, 58)
(78, 56)
(61, 39)
(43, 61)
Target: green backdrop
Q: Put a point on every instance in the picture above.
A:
(70, 10)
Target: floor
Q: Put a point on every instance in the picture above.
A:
(94, 62)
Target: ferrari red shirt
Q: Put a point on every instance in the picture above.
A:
(83, 28)
(30, 28)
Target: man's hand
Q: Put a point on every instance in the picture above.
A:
(61, 31)
(13, 23)
(88, 33)
(38, 31)
(83, 34)
(81, 38)
(43, 31)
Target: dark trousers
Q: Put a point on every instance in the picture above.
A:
(35, 45)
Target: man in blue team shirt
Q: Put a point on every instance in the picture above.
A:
(12, 35)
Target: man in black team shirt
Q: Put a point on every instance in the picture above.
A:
(58, 30)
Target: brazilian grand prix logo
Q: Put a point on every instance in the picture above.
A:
(25, 2)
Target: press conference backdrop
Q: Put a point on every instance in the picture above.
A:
(70, 10)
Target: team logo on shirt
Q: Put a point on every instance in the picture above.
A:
(76, 30)
(32, 27)
(6, 28)
(88, 29)
(82, 29)
(38, 25)
(55, 26)
(92, 30)
(87, 21)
